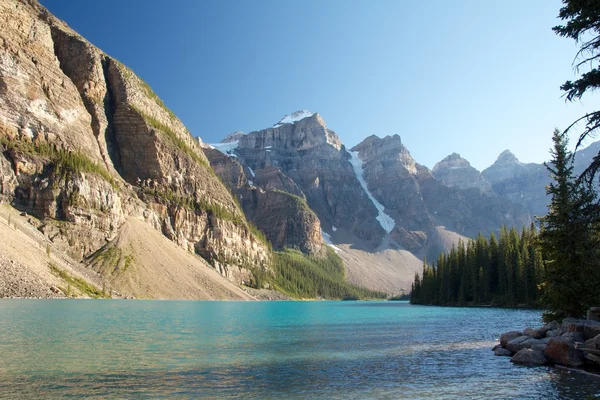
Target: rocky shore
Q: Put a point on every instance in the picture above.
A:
(573, 343)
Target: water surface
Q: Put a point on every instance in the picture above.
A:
(262, 350)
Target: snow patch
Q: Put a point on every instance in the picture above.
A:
(268, 147)
(295, 117)
(251, 183)
(327, 240)
(386, 222)
(252, 172)
(333, 228)
(226, 148)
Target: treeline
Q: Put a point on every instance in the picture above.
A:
(505, 272)
(302, 276)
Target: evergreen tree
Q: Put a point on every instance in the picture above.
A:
(567, 238)
(583, 25)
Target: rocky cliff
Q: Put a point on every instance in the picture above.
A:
(519, 182)
(375, 204)
(86, 145)
(422, 206)
(456, 171)
(301, 156)
(276, 209)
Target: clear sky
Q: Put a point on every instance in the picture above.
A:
(467, 76)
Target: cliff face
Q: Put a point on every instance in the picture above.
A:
(519, 182)
(305, 158)
(456, 171)
(421, 205)
(85, 141)
(281, 214)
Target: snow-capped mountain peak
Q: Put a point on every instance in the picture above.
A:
(294, 117)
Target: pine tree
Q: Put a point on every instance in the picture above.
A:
(583, 25)
(567, 238)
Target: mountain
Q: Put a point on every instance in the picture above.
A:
(88, 149)
(519, 182)
(97, 171)
(456, 171)
(380, 209)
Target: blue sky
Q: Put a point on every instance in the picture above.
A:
(467, 76)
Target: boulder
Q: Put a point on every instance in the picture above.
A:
(574, 336)
(529, 357)
(552, 333)
(561, 350)
(533, 333)
(593, 343)
(572, 325)
(593, 314)
(522, 342)
(540, 346)
(501, 351)
(548, 327)
(591, 329)
(508, 336)
(496, 347)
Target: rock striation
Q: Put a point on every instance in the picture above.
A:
(87, 144)
(519, 182)
(456, 171)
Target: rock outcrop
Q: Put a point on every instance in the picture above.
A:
(301, 156)
(456, 171)
(278, 211)
(420, 204)
(88, 143)
(519, 182)
(572, 344)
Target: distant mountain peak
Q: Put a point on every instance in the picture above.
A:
(233, 137)
(453, 161)
(506, 157)
(294, 117)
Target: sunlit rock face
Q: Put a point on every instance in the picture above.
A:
(456, 171)
(86, 142)
(519, 182)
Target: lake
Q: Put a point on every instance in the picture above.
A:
(260, 350)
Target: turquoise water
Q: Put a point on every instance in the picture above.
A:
(261, 350)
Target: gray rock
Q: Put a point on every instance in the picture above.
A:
(591, 329)
(529, 357)
(501, 351)
(508, 336)
(572, 325)
(548, 327)
(574, 336)
(593, 343)
(552, 333)
(533, 333)
(540, 346)
(522, 342)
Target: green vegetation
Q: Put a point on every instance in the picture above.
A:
(482, 271)
(569, 238)
(65, 162)
(80, 284)
(303, 276)
(200, 205)
(174, 138)
(300, 202)
(111, 260)
(129, 74)
(583, 25)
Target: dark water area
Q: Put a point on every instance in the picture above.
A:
(267, 350)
